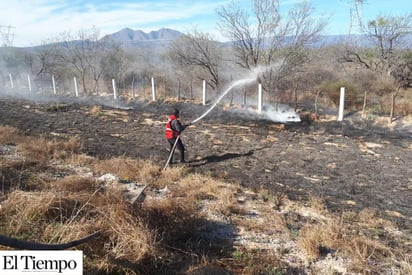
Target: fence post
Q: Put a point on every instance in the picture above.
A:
(114, 88)
(260, 97)
(133, 94)
(153, 90)
(204, 92)
(11, 81)
(341, 103)
(29, 82)
(75, 87)
(54, 84)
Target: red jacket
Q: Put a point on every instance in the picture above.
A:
(170, 132)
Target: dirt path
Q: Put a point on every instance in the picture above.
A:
(351, 165)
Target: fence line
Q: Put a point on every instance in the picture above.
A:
(114, 89)
(259, 102)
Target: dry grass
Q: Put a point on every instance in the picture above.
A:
(95, 110)
(127, 169)
(39, 147)
(43, 150)
(129, 237)
(64, 215)
(317, 240)
(74, 184)
(162, 234)
(353, 238)
(8, 135)
(73, 206)
(317, 204)
(403, 103)
(17, 174)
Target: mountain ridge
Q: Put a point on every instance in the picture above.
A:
(128, 34)
(128, 37)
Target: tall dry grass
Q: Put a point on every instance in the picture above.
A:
(43, 150)
(67, 207)
(127, 169)
(39, 148)
(9, 135)
(356, 238)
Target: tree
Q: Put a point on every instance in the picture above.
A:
(198, 50)
(43, 62)
(114, 63)
(87, 56)
(386, 56)
(265, 39)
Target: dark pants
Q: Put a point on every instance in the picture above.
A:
(179, 147)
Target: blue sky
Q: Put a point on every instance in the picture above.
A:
(37, 21)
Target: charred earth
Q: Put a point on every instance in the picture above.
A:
(351, 165)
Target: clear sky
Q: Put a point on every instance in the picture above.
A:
(36, 21)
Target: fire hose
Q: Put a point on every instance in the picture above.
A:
(172, 151)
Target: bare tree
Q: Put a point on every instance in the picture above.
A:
(386, 56)
(114, 63)
(264, 39)
(43, 62)
(199, 51)
(85, 54)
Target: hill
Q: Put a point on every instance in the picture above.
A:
(129, 38)
(137, 38)
(162, 37)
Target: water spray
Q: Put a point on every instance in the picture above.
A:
(252, 77)
(237, 83)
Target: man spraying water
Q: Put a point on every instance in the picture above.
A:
(174, 127)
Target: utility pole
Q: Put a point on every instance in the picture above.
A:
(355, 19)
(7, 34)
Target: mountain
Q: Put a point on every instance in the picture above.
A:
(130, 38)
(161, 39)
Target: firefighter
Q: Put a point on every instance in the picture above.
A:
(173, 129)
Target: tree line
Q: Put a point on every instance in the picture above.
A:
(290, 67)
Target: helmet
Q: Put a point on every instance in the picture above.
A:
(176, 112)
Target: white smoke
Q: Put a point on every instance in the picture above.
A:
(281, 113)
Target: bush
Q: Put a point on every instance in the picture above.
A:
(353, 94)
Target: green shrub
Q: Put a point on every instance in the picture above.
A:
(353, 94)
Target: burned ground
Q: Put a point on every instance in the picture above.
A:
(351, 165)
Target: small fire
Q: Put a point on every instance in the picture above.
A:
(282, 113)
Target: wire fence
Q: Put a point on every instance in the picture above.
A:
(148, 89)
(249, 94)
